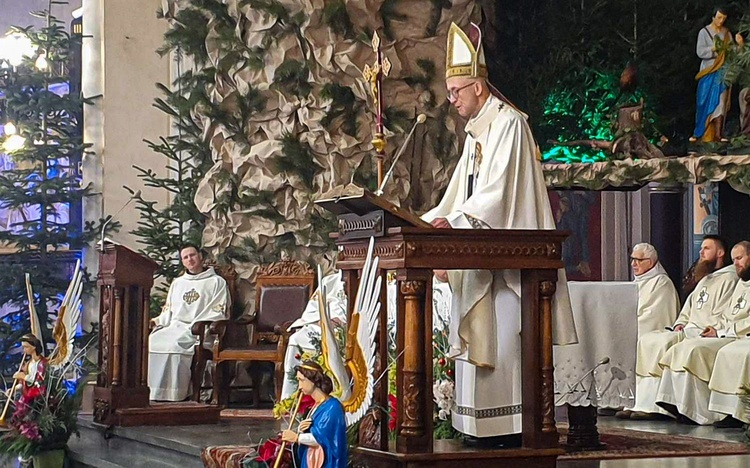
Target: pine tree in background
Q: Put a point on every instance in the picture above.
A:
(42, 191)
(186, 154)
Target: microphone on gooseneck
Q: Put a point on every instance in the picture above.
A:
(421, 118)
(112, 217)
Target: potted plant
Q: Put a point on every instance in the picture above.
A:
(42, 420)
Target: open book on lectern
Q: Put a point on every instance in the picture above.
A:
(361, 213)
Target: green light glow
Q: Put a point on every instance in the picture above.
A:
(582, 106)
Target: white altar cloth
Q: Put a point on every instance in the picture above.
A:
(606, 317)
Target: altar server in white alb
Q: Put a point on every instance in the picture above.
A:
(702, 309)
(497, 184)
(198, 295)
(658, 301)
(687, 366)
(307, 328)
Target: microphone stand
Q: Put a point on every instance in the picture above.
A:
(591, 371)
(420, 119)
(110, 218)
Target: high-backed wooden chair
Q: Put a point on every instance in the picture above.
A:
(281, 293)
(204, 347)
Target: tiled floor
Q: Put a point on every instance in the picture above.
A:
(670, 427)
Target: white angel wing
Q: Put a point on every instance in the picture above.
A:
(36, 327)
(360, 341)
(67, 319)
(332, 359)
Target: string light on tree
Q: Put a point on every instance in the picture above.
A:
(14, 143)
(10, 128)
(41, 62)
(14, 47)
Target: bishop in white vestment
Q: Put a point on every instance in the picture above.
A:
(192, 297)
(687, 367)
(658, 301)
(497, 184)
(307, 328)
(702, 308)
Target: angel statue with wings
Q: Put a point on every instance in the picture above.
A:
(44, 412)
(321, 435)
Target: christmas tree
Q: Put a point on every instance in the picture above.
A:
(40, 188)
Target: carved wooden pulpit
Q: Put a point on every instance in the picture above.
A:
(125, 280)
(121, 395)
(413, 252)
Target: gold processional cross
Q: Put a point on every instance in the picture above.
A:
(374, 76)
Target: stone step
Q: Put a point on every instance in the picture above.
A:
(120, 447)
(163, 446)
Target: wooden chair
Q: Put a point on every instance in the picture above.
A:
(204, 347)
(282, 291)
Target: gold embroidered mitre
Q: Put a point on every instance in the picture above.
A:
(465, 54)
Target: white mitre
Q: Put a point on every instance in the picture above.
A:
(465, 54)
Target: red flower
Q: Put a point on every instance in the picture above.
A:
(33, 393)
(30, 431)
(307, 402)
(268, 452)
(392, 414)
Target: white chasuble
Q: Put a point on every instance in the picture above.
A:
(191, 299)
(658, 301)
(731, 374)
(688, 366)
(498, 184)
(702, 308)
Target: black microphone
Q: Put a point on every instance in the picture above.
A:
(605, 360)
(112, 217)
(420, 119)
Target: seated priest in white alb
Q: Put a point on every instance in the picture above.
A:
(307, 328)
(497, 184)
(196, 296)
(702, 309)
(731, 375)
(687, 366)
(658, 301)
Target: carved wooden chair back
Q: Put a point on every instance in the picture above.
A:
(281, 292)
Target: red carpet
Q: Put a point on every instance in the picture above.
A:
(624, 443)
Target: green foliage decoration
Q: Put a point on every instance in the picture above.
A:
(45, 149)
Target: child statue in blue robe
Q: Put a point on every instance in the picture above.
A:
(321, 435)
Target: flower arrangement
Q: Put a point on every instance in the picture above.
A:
(443, 387)
(43, 418)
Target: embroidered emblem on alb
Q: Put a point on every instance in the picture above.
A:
(191, 296)
(740, 305)
(702, 298)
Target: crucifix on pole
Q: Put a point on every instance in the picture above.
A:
(374, 76)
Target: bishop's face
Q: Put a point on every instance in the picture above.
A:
(464, 93)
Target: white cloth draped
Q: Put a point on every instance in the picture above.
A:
(605, 315)
(658, 301)
(191, 299)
